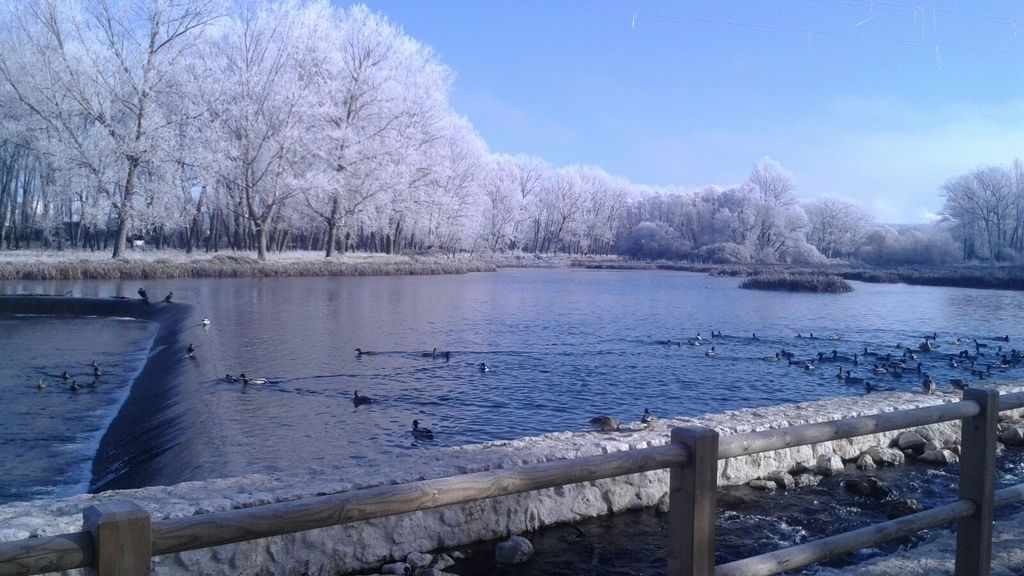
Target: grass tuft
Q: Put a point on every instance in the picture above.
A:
(786, 282)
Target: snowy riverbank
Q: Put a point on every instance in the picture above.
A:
(368, 544)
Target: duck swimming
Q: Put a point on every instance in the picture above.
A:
(230, 378)
(190, 351)
(431, 354)
(959, 384)
(74, 386)
(246, 380)
(205, 323)
(361, 352)
(360, 400)
(40, 384)
(711, 353)
(604, 423)
(421, 433)
(65, 375)
(483, 367)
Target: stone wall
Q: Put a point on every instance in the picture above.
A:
(368, 544)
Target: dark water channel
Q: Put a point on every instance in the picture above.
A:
(562, 346)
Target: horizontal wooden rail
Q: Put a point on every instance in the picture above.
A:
(1011, 495)
(803, 434)
(811, 552)
(205, 530)
(1011, 401)
(48, 554)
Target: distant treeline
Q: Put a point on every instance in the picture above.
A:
(300, 125)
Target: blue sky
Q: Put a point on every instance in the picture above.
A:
(874, 102)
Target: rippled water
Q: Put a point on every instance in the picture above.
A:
(49, 435)
(563, 345)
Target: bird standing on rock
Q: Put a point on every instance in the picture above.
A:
(167, 299)
(928, 385)
(648, 418)
(143, 295)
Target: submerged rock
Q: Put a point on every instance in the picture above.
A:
(902, 507)
(867, 486)
(764, 485)
(807, 479)
(1012, 436)
(400, 568)
(417, 560)
(515, 550)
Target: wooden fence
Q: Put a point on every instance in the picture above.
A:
(121, 538)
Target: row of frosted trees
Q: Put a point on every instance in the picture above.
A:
(290, 124)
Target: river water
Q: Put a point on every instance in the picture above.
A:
(561, 346)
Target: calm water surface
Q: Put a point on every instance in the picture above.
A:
(563, 345)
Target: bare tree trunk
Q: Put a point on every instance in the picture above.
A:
(332, 226)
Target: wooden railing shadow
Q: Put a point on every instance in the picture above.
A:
(120, 538)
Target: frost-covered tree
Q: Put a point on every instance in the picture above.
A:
(256, 87)
(772, 189)
(837, 227)
(98, 74)
(379, 105)
(985, 204)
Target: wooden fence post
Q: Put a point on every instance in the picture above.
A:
(693, 504)
(122, 540)
(977, 484)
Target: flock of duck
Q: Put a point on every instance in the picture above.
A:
(974, 356)
(418, 432)
(600, 423)
(905, 361)
(72, 383)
